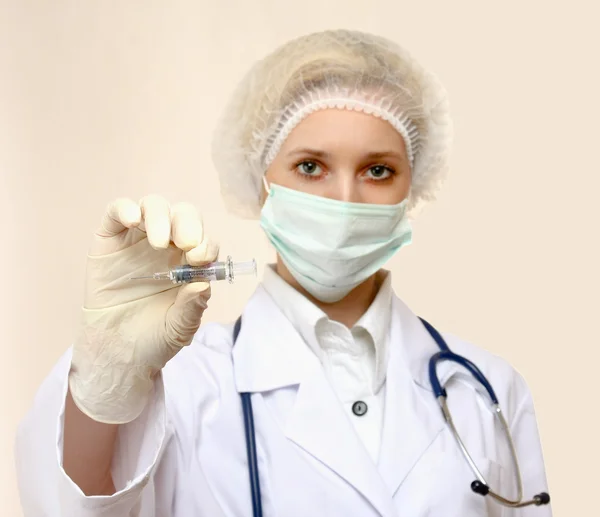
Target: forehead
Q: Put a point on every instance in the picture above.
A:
(337, 128)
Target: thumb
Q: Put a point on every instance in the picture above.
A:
(184, 316)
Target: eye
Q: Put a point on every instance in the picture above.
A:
(380, 172)
(309, 168)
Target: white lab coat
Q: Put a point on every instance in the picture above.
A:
(186, 455)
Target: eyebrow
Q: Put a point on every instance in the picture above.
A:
(324, 154)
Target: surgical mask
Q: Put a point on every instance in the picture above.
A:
(330, 246)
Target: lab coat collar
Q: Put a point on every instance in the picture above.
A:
(270, 354)
(417, 345)
(412, 417)
(299, 310)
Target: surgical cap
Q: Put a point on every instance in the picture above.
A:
(332, 69)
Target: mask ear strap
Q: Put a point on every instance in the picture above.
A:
(266, 185)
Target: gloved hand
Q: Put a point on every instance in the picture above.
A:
(131, 328)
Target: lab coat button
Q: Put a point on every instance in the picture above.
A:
(359, 408)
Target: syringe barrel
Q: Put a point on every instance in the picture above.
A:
(226, 270)
(210, 272)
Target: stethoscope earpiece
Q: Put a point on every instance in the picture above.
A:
(542, 498)
(480, 488)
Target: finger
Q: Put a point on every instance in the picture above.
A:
(207, 251)
(184, 316)
(186, 226)
(157, 221)
(120, 215)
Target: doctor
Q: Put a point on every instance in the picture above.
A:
(332, 141)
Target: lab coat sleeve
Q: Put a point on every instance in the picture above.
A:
(45, 488)
(525, 434)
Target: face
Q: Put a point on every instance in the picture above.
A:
(344, 155)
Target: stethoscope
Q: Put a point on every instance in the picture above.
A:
(479, 486)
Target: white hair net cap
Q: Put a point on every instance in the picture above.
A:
(332, 69)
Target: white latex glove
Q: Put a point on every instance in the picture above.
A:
(131, 328)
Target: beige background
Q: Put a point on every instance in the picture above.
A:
(104, 99)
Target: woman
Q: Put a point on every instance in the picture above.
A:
(332, 141)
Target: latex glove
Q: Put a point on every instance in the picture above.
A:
(131, 328)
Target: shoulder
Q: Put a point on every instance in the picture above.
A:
(204, 366)
(211, 344)
(483, 358)
(508, 383)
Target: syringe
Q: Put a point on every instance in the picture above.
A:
(209, 272)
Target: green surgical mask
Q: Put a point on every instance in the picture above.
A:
(330, 246)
